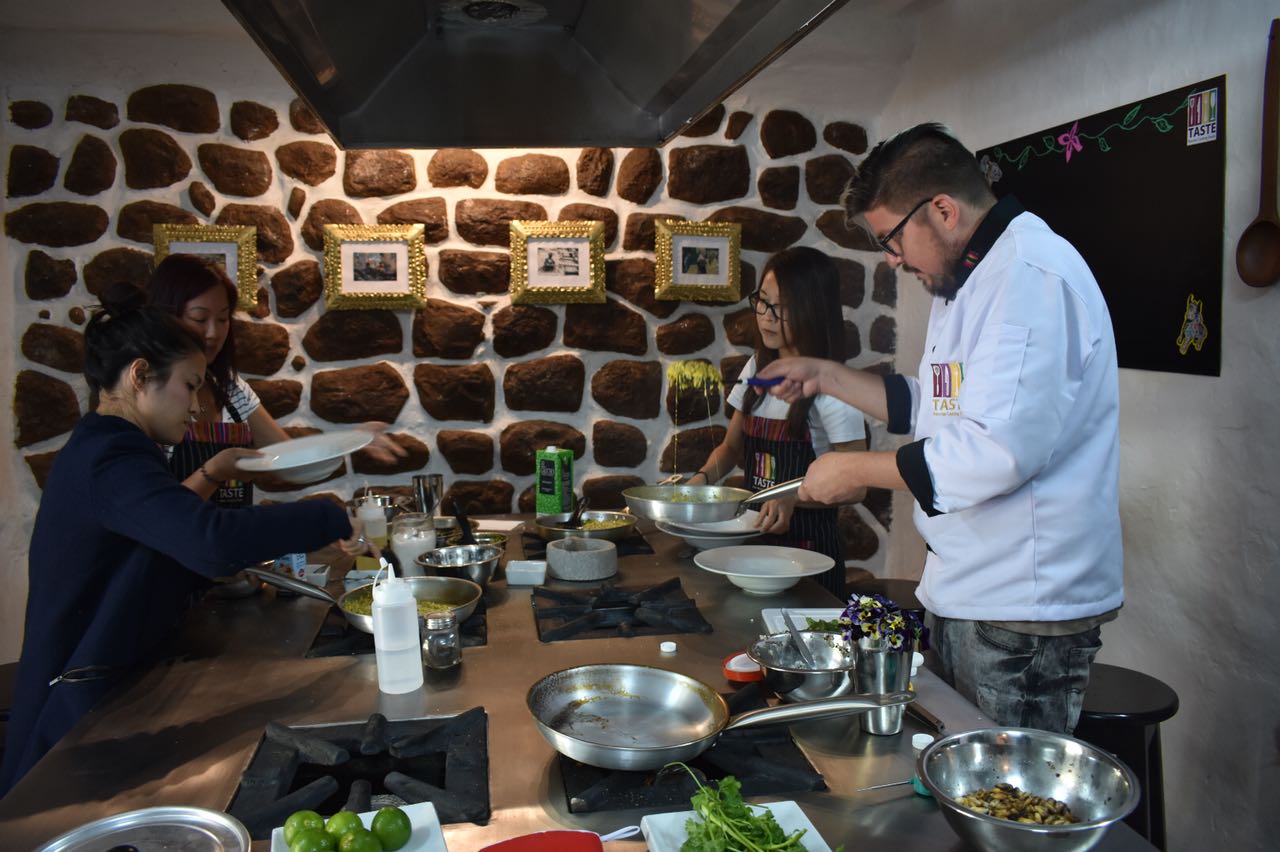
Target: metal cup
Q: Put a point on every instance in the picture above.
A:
(880, 670)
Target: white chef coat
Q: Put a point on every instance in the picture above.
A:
(1016, 412)
(831, 421)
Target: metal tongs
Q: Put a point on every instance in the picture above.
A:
(799, 641)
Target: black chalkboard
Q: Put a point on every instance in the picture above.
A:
(1138, 190)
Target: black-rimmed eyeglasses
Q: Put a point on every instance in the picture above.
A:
(760, 306)
(888, 238)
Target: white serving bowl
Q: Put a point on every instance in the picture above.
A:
(309, 459)
(706, 542)
(760, 569)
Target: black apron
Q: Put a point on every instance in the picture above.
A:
(772, 455)
(205, 440)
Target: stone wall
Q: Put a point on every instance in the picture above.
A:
(471, 384)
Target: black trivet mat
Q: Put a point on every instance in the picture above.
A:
(633, 545)
(601, 612)
(337, 638)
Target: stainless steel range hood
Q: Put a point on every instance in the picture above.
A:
(520, 73)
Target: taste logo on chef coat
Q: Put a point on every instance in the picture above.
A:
(1202, 117)
(946, 387)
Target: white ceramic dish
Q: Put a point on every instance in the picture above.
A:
(666, 832)
(743, 525)
(760, 569)
(308, 459)
(773, 622)
(426, 837)
(706, 542)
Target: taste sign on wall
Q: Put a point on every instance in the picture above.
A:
(1139, 191)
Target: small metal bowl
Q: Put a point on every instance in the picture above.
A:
(1099, 789)
(787, 675)
(548, 526)
(474, 562)
(493, 539)
(448, 531)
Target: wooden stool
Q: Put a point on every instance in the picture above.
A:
(1122, 713)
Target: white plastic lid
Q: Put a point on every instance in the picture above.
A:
(393, 590)
(920, 742)
(551, 448)
(667, 647)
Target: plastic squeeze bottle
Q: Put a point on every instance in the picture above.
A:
(396, 642)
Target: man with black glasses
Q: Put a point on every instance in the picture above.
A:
(1015, 415)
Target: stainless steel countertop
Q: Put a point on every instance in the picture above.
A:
(183, 732)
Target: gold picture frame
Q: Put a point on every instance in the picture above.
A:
(236, 245)
(374, 266)
(698, 260)
(557, 263)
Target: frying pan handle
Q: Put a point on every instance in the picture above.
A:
(780, 490)
(292, 584)
(824, 709)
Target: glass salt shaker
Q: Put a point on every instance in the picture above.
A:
(441, 647)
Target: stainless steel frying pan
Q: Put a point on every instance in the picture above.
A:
(699, 504)
(619, 716)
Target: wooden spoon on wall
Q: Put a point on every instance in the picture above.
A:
(1258, 252)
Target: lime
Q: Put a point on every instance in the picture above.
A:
(342, 822)
(313, 840)
(391, 827)
(359, 840)
(298, 822)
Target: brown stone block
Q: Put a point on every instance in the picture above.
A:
(880, 502)
(521, 329)
(373, 173)
(303, 119)
(704, 174)
(527, 503)
(152, 159)
(605, 492)
(826, 177)
(32, 170)
(706, 125)
(547, 384)
(466, 452)
(860, 540)
(730, 368)
(77, 315)
(43, 407)
(689, 405)
(56, 223)
(686, 335)
(201, 198)
(298, 362)
(852, 340)
(297, 198)
(633, 279)
(431, 213)
(532, 174)
(348, 335)
(740, 328)
(884, 289)
(834, 225)
(853, 281)
(445, 330)
(640, 233)
(884, 335)
(273, 236)
(595, 170)
(785, 132)
(762, 230)
(639, 174)
(629, 388)
(279, 396)
(846, 136)
(31, 115)
(190, 109)
(416, 458)
(738, 122)
(475, 272)
(48, 277)
(261, 347)
(262, 302)
(883, 368)
(688, 450)
(359, 394)
(593, 213)
(297, 287)
(251, 121)
(464, 392)
(137, 220)
(235, 171)
(481, 498)
(519, 442)
(54, 346)
(327, 211)
(779, 187)
(41, 464)
(310, 162)
(115, 265)
(618, 444)
(487, 222)
(90, 110)
(610, 327)
(457, 167)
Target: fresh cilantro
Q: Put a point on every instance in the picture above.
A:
(825, 625)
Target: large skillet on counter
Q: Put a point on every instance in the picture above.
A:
(618, 716)
(698, 504)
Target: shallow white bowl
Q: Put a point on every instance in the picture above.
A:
(760, 569)
(309, 459)
(706, 542)
(743, 525)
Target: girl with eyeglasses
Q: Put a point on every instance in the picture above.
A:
(797, 313)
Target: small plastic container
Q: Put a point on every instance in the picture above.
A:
(396, 640)
(740, 669)
(316, 575)
(526, 572)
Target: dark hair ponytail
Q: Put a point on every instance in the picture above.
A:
(122, 331)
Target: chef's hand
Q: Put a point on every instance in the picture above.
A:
(801, 377)
(222, 466)
(829, 480)
(358, 544)
(382, 448)
(775, 515)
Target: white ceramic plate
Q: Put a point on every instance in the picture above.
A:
(426, 837)
(761, 569)
(744, 524)
(706, 542)
(308, 459)
(666, 832)
(773, 622)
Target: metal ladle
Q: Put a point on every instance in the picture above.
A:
(1258, 252)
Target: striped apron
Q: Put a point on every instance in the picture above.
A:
(203, 441)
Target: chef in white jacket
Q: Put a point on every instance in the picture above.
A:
(1015, 414)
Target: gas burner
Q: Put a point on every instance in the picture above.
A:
(369, 765)
(616, 611)
(337, 638)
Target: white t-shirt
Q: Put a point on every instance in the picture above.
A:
(830, 420)
(242, 397)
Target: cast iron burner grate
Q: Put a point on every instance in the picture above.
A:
(766, 760)
(337, 638)
(610, 611)
(365, 766)
(633, 545)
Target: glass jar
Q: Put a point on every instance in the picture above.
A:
(441, 646)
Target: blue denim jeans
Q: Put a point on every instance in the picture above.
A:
(1017, 679)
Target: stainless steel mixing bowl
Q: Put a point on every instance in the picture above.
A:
(1097, 787)
(788, 676)
(474, 562)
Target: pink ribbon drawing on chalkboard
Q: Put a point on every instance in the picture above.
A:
(1070, 140)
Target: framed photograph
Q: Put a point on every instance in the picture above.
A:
(698, 260)
(374, 266)
(234, 246)
(556, 263)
